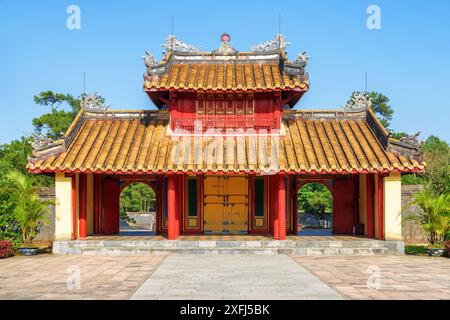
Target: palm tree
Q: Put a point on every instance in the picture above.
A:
(29, 210)
(435, 216)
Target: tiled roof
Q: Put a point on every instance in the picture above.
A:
(227, 75)
(142, 142)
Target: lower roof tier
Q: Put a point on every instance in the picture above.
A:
(141, 142)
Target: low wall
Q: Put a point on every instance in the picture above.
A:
(47, 230)
(410, 231)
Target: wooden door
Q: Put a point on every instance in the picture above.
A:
(237, 204)
(344, 206)
(111, 213)
(213, 202)
(225, 205)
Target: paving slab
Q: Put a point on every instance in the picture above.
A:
(233, 277)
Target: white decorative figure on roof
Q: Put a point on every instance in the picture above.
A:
(302, 59)
(412, 139)
(173, 44)
(92, 102)
(149, 59)
(225, 48)
(41, 142)
(276, 44)
(359, 101)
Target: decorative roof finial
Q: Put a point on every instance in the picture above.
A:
(412, 139)
(93, 103)
(359, 101)
(277, 44)
(302, 59)
(149, 59)
(41, 142)
(225, 48)
(173, 44)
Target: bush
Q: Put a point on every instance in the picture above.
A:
(5, 249)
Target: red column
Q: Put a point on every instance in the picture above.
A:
(370, 196)
(82, 187)
(179, 205)
(74, 207)
(171, 206)
(281, 208)
(274, 206)
(380, 208)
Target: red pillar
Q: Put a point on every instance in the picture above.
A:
(274, 200)
(74, 207)
(179, 205)
(171, 207)
(370, 195)
(281, 208)
(82, 187)
(380, 208)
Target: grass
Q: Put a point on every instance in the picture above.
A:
(415, 249)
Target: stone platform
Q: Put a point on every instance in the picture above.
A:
(295, 245)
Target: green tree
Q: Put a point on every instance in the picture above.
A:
(9, 227)
(382, 108)
(58, 120)
(63, 110)
(29, 210)
(437, 156)
(136, 197)
(435, 215)
(315, 198)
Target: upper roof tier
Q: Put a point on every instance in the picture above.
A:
(265, 68)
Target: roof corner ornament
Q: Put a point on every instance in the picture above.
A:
(225, 48)
(302, 59)
(92, 102)
(41, 142)
(278, 43)
(359, 101)
(412, 140)
(149, 60)
(173, 44)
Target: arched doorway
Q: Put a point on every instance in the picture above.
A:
(315, 209)
(138, 207)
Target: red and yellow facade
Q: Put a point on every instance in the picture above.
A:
(225, 153)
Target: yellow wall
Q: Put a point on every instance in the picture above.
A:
(392, 207)
(63, 207)
(363, 201)
(90, 204)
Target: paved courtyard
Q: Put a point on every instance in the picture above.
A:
(224, 277)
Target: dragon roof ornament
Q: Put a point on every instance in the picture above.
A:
(278, 43)
(302, 59)
(149, 59)
(173, 44)
(412, 140)
(92, 102)
(41, 142)
(359, 101)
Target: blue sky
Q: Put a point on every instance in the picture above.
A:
(408, 59)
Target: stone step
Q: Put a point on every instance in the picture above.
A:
(312, 251)
(231, 244)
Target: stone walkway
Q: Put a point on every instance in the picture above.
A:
(390, 277)
(56, 277)
(233, 277)
(224, 277)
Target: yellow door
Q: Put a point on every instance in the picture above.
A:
(225, 204)
(237, 204)
(213, 202)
